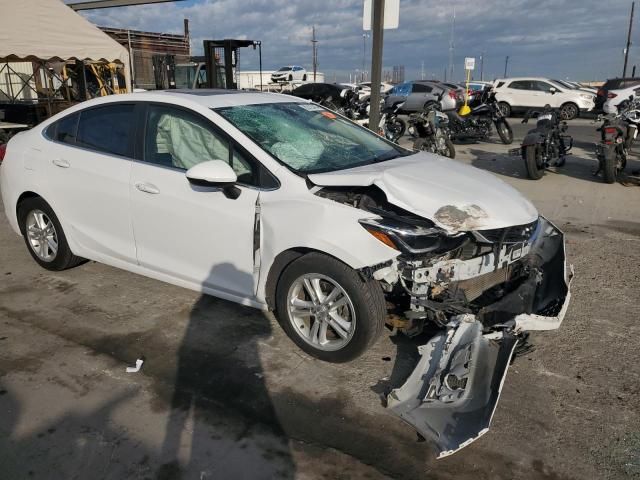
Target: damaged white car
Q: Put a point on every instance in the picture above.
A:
(277, 203)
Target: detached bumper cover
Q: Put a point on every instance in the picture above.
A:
(451, 395)
(453, 392)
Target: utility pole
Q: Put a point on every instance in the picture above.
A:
(422, 71)
(506, 64)
(377, 30)
(451, 45)
(626, 50)
(482, 66)
(314, 44)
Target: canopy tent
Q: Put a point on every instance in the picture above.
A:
(44, 30)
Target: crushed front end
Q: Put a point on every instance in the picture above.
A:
(485, 289)
(482, 288)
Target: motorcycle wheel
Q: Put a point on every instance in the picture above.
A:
(450, 150)
(395, 129)
(504, 131)
(531, 162)
(610, 165)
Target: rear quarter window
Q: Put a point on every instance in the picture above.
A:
(64, 130)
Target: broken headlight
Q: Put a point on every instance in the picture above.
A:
(413, 239)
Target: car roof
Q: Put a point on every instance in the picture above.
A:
(208, 98)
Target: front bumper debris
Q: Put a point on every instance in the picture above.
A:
(452, 394)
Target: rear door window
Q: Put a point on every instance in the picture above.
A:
(421, 88)
(107, 129)
(521, 85)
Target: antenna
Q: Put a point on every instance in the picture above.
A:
(314, 43)
(451, 45)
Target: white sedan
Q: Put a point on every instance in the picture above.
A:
(290, 73)
(277, 203)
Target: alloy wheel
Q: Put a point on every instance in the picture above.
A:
(321, 312)
(42, 235)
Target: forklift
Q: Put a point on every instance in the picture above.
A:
(221, 57)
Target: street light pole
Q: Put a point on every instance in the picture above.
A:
(626, 50)
(377, 30)
(482, 66)
(506, 64)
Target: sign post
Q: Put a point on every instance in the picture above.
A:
(469, 65)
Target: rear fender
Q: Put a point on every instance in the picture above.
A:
(533, 138)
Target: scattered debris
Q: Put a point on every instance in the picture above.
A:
(138, 366)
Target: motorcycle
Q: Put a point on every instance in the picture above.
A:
(546, 145)
(431, 129)
(617, 133)
(477, 124)
(392, 127)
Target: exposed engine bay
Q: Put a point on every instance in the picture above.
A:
(484, 288)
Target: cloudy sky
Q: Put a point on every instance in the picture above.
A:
(574, 39)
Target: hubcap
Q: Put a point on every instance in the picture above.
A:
(321, 312)
(42, 235)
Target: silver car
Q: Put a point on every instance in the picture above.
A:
(418, 94)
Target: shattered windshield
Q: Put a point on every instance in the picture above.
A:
(309, 138)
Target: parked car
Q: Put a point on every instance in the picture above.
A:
(574, 86)
(616, 97)
(277, 203)
(420, 94)
(475, 87)
(522, 94)
(613, 84)
(384, 87)
(331, 95)
(289, 74)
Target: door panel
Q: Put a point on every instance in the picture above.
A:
(193, 233)
(91, 188)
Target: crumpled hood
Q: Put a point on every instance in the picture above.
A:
(455, 196)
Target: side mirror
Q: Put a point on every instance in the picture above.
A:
(552, 90)
(214, 173)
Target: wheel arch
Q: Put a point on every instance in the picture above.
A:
(278, 266)
(21, 198)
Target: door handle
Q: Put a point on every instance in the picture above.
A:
(60, 162)
(147, 188)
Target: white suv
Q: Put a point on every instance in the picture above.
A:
(522, 94)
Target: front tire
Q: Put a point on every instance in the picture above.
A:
(531, 162)
(44, 236)
(504, 131)
(328, 309)
(569, 111)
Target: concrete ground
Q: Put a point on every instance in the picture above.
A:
(224, 394)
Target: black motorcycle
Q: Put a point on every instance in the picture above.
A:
(392, 127)
(546, 145)
(430, 127)
(478, 123)
(617, 133)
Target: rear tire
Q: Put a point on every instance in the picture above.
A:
(505, 108)
(451, 150)
(504, 131)
(530, 160)
(364, 296)
(39, 239)
(610, 166)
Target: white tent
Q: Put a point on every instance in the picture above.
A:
(49, 30)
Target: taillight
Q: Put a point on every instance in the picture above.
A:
(3, 151)
(612, 95)
(609, 134)
(453, 94)
(600, 92)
